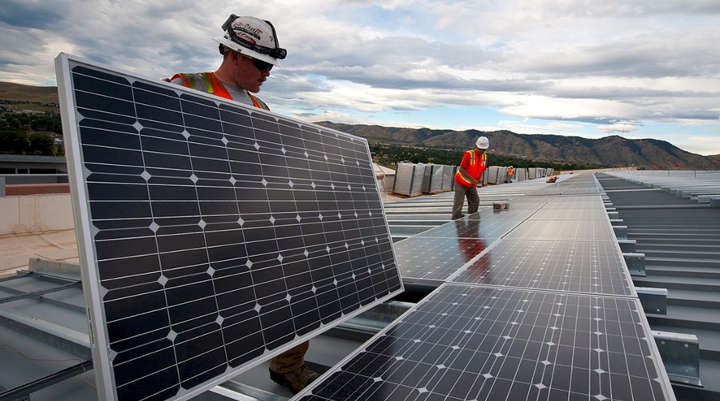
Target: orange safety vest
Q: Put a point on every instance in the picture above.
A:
(475, 168)
(208, 82)
(511, 172)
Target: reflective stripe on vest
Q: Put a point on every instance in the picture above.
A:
(204, 81)
(465, 181)
(257, 102)
(209, 82)
(459, 176)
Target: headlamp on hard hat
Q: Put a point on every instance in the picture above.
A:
(275, 52)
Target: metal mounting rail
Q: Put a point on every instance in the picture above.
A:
(23, 392)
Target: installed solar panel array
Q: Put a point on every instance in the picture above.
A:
(529, 318)
(432, 256)
(213, 236)
(577, 266)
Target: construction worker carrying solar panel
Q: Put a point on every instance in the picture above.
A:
(250, 49)
(469, 176)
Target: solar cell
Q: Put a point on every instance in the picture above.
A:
(213, 236)
(435, 259)
(577, 266)
(489, 344)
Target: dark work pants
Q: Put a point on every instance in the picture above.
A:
(461, 193)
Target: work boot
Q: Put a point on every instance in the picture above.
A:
(295, 380)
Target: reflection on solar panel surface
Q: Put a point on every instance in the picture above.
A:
(579, 266)
(487, 224)
(475, 343)
(214, 234)
(579, 230)
(435, 258)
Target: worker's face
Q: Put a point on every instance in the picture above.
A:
(481, 151)
(246, 74)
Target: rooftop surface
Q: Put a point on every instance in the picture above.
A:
(681, 249)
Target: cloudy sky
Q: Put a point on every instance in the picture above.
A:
(636, 68)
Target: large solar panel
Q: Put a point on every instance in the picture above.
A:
(435, 259)
(494, 344)
(563, 265)
(212, 235)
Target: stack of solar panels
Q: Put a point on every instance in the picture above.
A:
(546, 312)
(521, 174)
(409, 179)
(435, 178)
(212, 236)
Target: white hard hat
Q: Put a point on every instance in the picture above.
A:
(252, 37)
(482, 143)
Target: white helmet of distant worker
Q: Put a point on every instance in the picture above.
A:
(482, 143)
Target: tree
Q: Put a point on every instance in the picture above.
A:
(42, 144)
(14, 141)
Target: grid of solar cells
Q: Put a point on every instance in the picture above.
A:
(578, 230)
(492, 344)
(435, 258)
(574, 266)
(220, 234)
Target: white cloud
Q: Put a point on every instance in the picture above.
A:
(618, 127)
(554, 128)
(703, 145)
(620, 64)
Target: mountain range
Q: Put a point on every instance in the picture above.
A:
(610, 151)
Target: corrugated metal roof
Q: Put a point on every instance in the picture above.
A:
(680, 238)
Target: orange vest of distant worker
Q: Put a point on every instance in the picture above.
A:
(473, 166)
(510, 172)
(208, 82)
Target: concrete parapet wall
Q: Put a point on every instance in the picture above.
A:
(35, 213)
